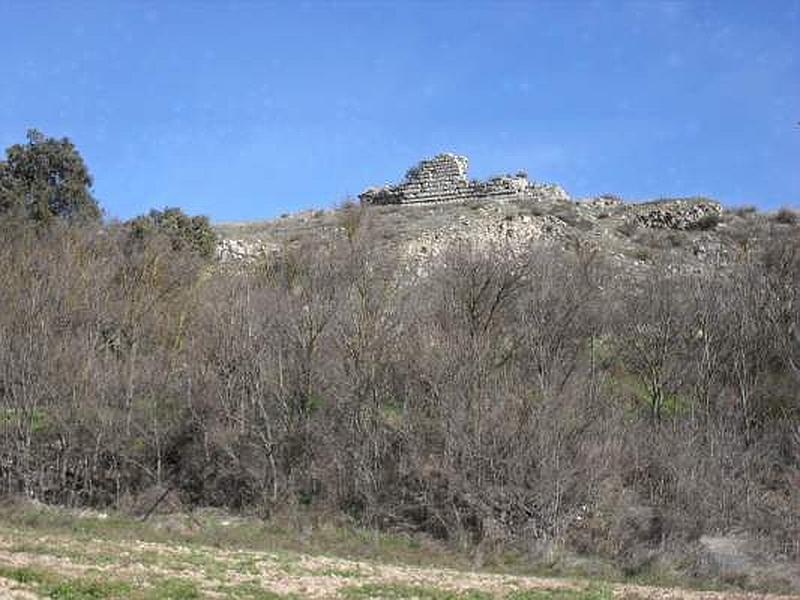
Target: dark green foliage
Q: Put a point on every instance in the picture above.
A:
(745, 211)
(786, 216)
(184, 232)
(706, 222)
(612, 197)
(45, 179)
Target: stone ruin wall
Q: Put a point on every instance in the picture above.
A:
(444, 179)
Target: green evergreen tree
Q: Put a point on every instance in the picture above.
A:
(46, 178)
(184, 232)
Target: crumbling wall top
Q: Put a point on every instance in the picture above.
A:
(443, 178)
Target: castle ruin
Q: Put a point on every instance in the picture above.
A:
(443, 178)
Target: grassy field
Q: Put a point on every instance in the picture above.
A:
(48, 553)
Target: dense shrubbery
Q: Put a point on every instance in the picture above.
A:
(786, 216)
(183, 232)
(499, 399)
(706, 222)
(492, 401)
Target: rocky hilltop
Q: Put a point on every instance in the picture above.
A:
(443, 178)
(437, 205)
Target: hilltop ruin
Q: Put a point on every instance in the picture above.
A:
(509, 211)
(443, 178)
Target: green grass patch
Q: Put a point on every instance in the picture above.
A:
(253, 591)
(399, 591)
(343, 573)
(64, 551)
(173, 588)
(391, 591)
(25, 575)
(87, 588)
(53, 585)
(592, 593)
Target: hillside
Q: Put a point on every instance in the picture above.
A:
(668, 282)
(589, 387)
(515, 214)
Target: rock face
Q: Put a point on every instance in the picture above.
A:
(686, 213)
(232, 250)
(443, 178)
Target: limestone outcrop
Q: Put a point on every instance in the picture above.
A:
(437, 206)
(686, 213)
(443, 178)
(234, 250)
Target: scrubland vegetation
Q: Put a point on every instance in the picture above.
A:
(543, 404)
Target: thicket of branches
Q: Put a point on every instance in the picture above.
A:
(496, 399)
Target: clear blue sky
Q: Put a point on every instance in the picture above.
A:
(245, 110)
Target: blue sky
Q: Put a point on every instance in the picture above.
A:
(245, 110)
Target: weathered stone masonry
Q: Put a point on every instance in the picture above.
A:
(443, 178)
